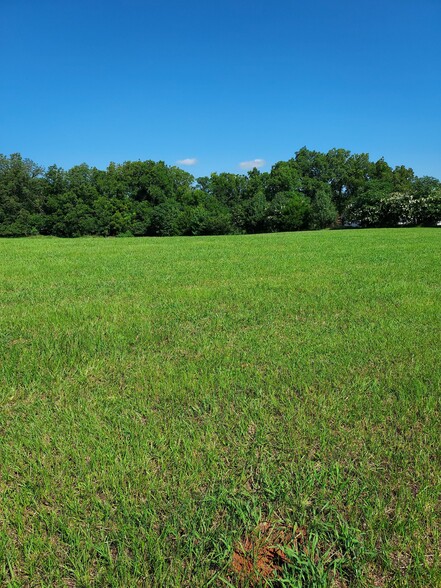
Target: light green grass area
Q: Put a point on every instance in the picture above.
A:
(162, 399)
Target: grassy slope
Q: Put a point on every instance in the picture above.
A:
(161, 397)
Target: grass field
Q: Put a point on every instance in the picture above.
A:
(224, 411)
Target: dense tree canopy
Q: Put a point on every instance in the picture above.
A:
(310, 191)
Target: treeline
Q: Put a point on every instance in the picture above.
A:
(310, 191)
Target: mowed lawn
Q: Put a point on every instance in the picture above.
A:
(224, 411)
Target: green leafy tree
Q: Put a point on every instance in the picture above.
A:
(309, 191)
(323, 212)
(66, 215)
(427, 210)
(255, 213)
(284, 177)
(228, 189)
(21, 192)
(167, 219)
(288, 211)
(114, 216)
(338, 176)
(425, 186)
(403, 179)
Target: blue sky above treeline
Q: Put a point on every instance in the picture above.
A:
(220, 86)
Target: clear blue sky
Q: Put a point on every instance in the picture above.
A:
(221, 82)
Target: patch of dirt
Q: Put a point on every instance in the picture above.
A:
(259, 555)
(377, 578)
(17, 342)
(401, 560)
(337, 582)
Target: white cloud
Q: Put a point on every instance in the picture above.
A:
(188, 161)
(252, 164)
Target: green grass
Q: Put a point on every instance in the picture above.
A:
(162, 398)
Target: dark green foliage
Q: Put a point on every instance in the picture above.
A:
(288, 211)
(428, 210)
(24, 224)
(323, 211)
(142, 219)
(209, 217)
(312, 190)
(167, 219)
(255, 211)
(20, 196)
(284, 177)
